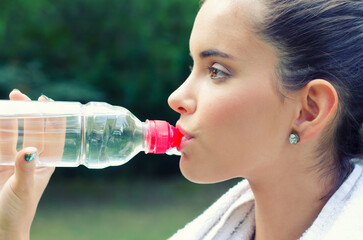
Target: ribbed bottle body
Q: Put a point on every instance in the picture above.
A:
(68, 134)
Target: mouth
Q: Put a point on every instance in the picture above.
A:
(187, 137)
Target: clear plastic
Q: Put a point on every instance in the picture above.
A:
(68, 134)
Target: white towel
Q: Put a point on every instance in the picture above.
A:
(232, 216)
(225, 219)
(342, 216)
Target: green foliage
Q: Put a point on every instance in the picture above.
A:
(129, 53)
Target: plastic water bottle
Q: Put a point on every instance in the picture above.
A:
(69, 134)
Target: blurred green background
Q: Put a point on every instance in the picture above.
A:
(127, 53)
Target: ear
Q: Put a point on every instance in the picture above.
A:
(319, 102)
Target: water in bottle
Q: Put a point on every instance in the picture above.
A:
(70, 134)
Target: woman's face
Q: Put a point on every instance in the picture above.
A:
(232, 115)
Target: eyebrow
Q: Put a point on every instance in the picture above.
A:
(214, 52)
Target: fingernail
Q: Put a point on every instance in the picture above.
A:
(45, 97)
(30, 156)
(16, 90)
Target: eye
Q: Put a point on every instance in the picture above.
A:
(218, 72)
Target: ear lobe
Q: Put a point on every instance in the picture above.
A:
(319, 102)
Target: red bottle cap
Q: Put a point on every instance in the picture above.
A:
(161, 136)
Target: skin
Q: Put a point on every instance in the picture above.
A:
(237, 123)
(21, 188)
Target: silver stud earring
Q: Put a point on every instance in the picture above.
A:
(294, 138)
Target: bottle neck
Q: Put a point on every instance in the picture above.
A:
(160, 136)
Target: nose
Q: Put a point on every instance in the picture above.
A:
(183, 99)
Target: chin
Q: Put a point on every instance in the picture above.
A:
(193, 174)
(198, 179)
(199, 174)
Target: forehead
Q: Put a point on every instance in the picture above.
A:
(253, 9)
(226, 24)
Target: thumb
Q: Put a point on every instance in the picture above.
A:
(23, 181)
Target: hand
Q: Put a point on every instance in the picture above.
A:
(21, 186)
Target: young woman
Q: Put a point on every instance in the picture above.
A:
(275, 96)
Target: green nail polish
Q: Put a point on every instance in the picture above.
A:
(30, 156)
(45, 97)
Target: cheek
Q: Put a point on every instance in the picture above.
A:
(227, 118)
(236, 110)
(242, 123)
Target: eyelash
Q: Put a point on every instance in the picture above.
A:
(213, 73)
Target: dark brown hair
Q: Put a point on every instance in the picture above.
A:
(323, 39)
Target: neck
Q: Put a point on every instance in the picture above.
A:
(287, 202)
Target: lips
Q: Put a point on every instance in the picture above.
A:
(187, 137)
